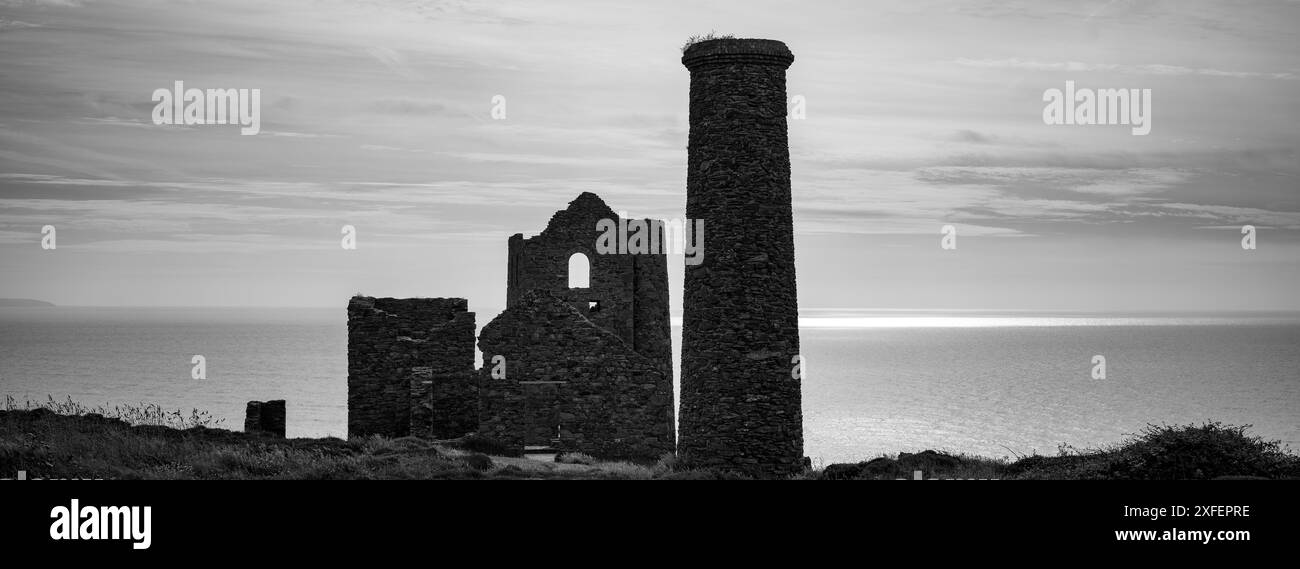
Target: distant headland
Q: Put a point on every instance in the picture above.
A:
(22, 302)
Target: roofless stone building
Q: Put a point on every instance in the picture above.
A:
(582, 368)
(588, 368)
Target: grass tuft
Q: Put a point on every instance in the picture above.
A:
(712, 35)
(149, 414)
(575, 458)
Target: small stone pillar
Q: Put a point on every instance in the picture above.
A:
(265, 417)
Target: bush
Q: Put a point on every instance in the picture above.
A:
(667, 464)
(932, 464)
(574, 458)
(1207, 451)
(477, 461)
(1164, 452)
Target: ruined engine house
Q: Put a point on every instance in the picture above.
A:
(576, 362)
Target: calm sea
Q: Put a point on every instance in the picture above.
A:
(876, 383)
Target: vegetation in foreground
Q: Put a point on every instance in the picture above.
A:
(62, 440)
(1160, 452)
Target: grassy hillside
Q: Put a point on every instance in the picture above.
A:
(65, 440)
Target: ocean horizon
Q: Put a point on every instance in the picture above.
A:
(990, 383)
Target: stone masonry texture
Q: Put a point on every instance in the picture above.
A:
(631, 291)
(627, 298)
(741, 405)
(603, 352)
(411, 367)
(607, 400)
(265, 417)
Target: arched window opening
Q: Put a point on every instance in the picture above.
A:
(579, 271)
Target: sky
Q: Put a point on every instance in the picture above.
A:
(379, 115)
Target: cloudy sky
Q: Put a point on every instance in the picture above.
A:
(378, 115)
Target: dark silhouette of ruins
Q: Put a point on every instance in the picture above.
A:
(584, 369)
(589, 369)
(411, 367)
(265, 417)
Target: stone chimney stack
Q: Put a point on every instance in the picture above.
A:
(740, 402)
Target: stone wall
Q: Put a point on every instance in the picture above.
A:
(630, 290)
(542, 402)
(445, 406)
(265, 417)
(410, 360)
(610, 401)
(411, 367)
(651, 321)
(741, 407)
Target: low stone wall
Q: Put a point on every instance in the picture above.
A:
(265, 417)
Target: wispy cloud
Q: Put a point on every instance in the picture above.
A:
(378, 114)
(1126, 69)
(393, 60)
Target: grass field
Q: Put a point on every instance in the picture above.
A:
(67, 440)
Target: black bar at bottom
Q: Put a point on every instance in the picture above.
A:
(316, 519)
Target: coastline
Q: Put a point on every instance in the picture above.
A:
(43, 444)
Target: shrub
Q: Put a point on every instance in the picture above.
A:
(477, 461)
(1210, 450)
(574, 458)
(1165, 452)
(667, 463)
